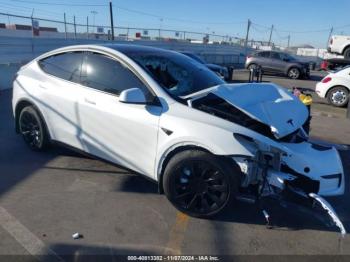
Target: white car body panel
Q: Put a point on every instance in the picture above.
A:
(133, 135)
(270, 104)
(341, 78)
(339, 43)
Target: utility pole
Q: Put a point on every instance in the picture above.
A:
(87, 27)
(288, 41)
(270, 35)
(75, 28)
(247, 36)
(111, 15)
(330, 35)
(65, 25)
(94, 13)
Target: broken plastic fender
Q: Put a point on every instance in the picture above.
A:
(330, 211)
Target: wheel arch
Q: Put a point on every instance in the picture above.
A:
(22, 104)
(345, 48)
(329, 89)
(251, 63)
(294, 66)
(172, 152)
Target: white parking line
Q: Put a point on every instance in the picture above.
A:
(26, 238)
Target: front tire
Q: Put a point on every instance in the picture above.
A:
(294, 73)
(32, 129)
(338, 96)
(200, 184)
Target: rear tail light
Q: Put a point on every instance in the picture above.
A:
(331, 41)
(326, 80)
(248, 56)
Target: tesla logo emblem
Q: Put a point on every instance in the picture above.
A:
(290, 121)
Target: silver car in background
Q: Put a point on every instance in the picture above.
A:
(278, 63)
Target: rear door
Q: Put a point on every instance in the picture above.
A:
(60, 92)
(277, 63)
(264, 60)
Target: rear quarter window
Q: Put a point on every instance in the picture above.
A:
(66, 66)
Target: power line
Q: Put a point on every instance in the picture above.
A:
(177, 19)
(64, 4)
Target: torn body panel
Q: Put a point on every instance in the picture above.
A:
(267, 104)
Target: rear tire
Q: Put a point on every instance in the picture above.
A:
(338, 96)
(33, 129)
(347, 53)
(252, 66)
(200, 184)
(294, 73)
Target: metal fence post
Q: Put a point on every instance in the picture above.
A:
(159, 34)
(75, 28)
(87, 27)
(65, 25)
(185, 35)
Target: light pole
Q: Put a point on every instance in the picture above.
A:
(94, 13)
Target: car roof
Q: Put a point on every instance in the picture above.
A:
(125, 49)
(130, 48)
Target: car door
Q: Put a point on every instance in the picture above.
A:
(264, 60)
(277, 64)
(60, 93)
(125, 134)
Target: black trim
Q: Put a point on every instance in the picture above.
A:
(166, 131)
(302, 182)
(334, 176)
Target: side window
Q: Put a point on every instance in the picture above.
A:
(108, 75)
(66, 66)
(275, 56)
(265, 54)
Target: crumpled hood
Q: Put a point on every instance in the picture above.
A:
(267, 103)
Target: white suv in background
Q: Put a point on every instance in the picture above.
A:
(340, 44)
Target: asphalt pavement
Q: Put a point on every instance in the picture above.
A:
(46, 197)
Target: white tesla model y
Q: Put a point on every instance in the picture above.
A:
(168, 117)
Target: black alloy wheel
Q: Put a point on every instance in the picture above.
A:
(32, 129)
(200, 186)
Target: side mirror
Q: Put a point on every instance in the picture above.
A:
(132, 96)
(286, 60)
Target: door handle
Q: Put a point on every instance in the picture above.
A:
(90, 101)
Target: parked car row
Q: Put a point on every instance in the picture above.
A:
(221, 71)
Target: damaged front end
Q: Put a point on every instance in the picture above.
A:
(285, 165)
(296, 173)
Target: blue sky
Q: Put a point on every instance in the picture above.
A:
(307, 21)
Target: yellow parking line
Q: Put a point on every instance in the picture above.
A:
(177, 233)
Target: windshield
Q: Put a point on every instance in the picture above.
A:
(178, 74)
(195, 57)
(288, 57)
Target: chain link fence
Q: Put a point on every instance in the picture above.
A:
(70, 28)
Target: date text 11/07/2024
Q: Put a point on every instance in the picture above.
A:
(173, 258)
